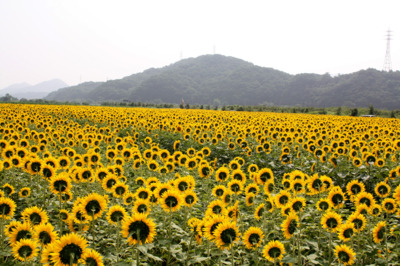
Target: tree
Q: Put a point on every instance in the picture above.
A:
(354, 112)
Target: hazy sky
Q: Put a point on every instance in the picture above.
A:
(95, 40)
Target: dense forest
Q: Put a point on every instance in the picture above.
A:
(219, 80)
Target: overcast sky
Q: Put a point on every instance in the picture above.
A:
(95, 40)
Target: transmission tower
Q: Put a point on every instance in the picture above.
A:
(387, 66)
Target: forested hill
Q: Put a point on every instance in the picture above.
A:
(221, 80)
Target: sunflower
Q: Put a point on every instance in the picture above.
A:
(274, 251)
(252, 188)
(364, 198)
(120, 189)
(182, 184)
(94, 205)
(328, 183)
(143, 193)
(382, 189)
(8, 189)
(252, 168)
(235, 186)
(389, 205)
(74, 225)
(34, 215)
(138, 229)
(253, 237)
(331, 221)
(60, 183)
(44, 234)
(346, 231)
(215, 207)
(345, 254)
(109, 182)
(205, 171)
(64, 215)
(354, 187)
(315, 185)
(64, 162)
(260, 210)
(222, 174)
(162, 188)
(7, 208)
(379, 232)
(337, 198)
(264, 175)
(129, 198)
(226, 234)
(92, 257)
(298, 186)
(250, 199)
(376, 210)
(21, 230)
(290, 224)
(46, 256)
(211, 225)
(116, 214)
(219, 190)
(141, 206)
(189, 198)
(282, 199)
(358, 220)
(69, 249)
(25, 250)
(171, 201)
(324, 205)
(297, 204)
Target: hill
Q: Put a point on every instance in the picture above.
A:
(222, 80)
(27, 91)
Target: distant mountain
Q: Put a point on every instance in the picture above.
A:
(27, 91)
(221, 80)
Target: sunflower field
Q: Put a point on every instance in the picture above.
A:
(85, 185)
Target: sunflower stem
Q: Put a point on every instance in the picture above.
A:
(330, 248)
(118, 240)
(92, 230)
(59, 214)
(2, 236)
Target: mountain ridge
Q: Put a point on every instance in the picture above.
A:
(225, 80)
(37, 91)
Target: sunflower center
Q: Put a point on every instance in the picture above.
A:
(35, 218)
(323, 205)
(86, 175)
(297, 205)
(116, 216)
(343, 256)
(120, 190)
(213, 227)
(91, 261)
(355, 188)
(365, 201)
(5, 209)
(143, 195)
(389, 206)
(337, 199)
(298, 187)
(274, 252)
(381, 233)
(217, 209)
(260, 212)
(268, 205)
(283, 199)
(189, 199)
(383, 190)
(332, 223)
(45, 237)
(60, 185)
(292, 227)
(183, 186)
(70, 253)
(358, 223)
(205, 171)
(139, 231)
(254, 239)
(23, 234)
(348, 233)
(228, 236)
(235, 187)
(142, 208)
(219, 192)
(222, 176)
(93, 207)
(317, 184)
(35, 166)
(7, 190)
(25, 251)
(171, 201)
(265, 176)
(111, 183)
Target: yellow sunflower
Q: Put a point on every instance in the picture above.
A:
(69, 249)
(7, 208)
(116, 214)
(346, 231)
(222, 174)
(331, 221)
(189, 198)
(264, 175)
(44, 234)
(379, 232)
(345, 254)
(141, 206)
(138, 229)
(253, 237)
(92, 257)
(25, 250)
(171, 201)
(358, 220)
(274, 251)
(94, 206)
(226, 234)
